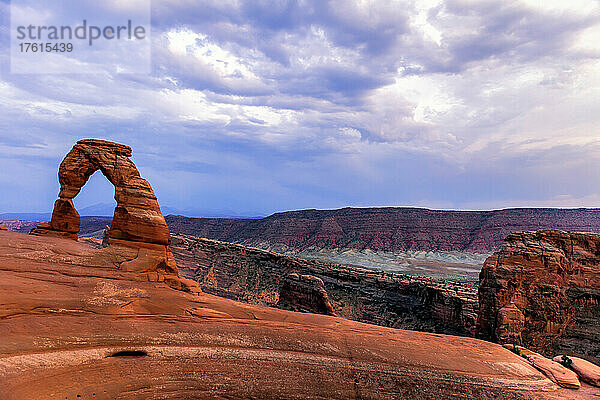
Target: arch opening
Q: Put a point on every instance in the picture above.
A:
(95, 205)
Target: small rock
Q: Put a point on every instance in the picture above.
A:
(587, 371)
(304, 293)
(554, 371)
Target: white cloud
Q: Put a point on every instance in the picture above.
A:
(581, 7)
(225, 64)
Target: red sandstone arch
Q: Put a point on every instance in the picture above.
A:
(137, 220)
(137, 216)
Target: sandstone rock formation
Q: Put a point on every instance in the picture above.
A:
(305, 293)
(542, 290)
(3, 228)
(510, 322)
(258, 277)
(587, 372)
(554, 370)
(74, 325)
(137, 222)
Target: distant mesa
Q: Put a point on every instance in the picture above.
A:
(137, 221)
(25, 216)
(387, 229)
(20, 226)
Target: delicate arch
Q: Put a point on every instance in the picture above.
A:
(137, 216)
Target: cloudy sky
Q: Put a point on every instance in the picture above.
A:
(260, 106)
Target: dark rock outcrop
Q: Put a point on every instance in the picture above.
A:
(542, 290)
(257, 276)
(305, 293)
(137, 222)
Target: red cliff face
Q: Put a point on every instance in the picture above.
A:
(542, 290)
(387, 229)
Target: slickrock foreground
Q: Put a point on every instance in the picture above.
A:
(542, 291)
(555, 371)
(74, 324)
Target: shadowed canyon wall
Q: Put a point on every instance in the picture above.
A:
(261, 277)
(542, 290)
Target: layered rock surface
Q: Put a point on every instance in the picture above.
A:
(542, 290)
(74, 325)
(587, 372)
(387, 229)
(137, 222)
(262, 277)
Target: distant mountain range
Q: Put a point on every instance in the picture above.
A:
(99, 210)
(25, 216)
(387, 229)
(107, 210)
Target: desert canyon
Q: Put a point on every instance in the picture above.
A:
(144, 314)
